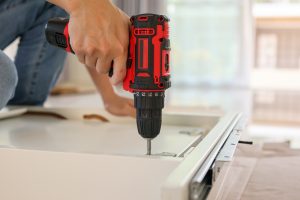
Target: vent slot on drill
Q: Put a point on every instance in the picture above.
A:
(60, 40)
(143, 53)
(167, 65)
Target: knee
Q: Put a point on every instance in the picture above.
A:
(8, 79)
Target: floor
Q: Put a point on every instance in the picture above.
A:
(273, 115)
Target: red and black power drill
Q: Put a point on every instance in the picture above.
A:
(148, 66)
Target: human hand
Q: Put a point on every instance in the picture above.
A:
(99, 34)
(120, 106)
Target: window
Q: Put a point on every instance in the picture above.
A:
(207, 47)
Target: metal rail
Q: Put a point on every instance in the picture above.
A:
(201, 182)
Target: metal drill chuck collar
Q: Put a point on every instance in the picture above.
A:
(149, 107)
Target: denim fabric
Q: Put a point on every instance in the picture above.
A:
(38, 64)
(8, 79)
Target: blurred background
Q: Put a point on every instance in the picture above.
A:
(227, 55)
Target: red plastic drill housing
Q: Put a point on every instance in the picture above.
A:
(148, 67)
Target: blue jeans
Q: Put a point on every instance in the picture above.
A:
(29, 79)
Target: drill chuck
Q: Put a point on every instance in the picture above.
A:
(148, 113)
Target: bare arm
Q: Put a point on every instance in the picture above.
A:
(113, 103)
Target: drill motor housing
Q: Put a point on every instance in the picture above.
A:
(148, 67)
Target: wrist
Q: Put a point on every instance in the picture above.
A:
(69, 6)
(76, 6)
(108, 97)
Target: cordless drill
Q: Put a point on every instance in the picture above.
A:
(148, 66)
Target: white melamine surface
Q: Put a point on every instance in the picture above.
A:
(48, 158)
(43, 157)
(45, 175)
(51, 134)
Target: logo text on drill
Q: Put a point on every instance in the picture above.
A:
(144, 31)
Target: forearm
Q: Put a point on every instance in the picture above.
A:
(102, 84)
(113, 103)
(72, 6)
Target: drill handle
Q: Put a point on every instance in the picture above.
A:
(57, 34)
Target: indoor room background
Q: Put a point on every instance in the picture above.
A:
(226, 55)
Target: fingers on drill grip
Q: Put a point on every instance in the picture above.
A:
(103, 65)
(90, 61)
(119, 69)
(57, 34)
